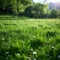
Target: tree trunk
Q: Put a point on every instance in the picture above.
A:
(17, 7)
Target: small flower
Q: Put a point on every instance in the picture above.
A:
(3, 39)
(31, 50)
(17, 54)
(34, 58)
(53, 47)
(28, 58)
(58, 56)
(7, 52)
(34, 53)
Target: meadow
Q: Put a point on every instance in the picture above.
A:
(29, 39)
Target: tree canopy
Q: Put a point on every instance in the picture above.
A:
(27, 8)
(13, 5)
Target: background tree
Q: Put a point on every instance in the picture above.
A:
(37, 10)
(13, 5)
(53, 13)
(58, 12)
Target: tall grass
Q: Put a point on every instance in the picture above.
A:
(30, 39)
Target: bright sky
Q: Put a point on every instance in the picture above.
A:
(46, 1)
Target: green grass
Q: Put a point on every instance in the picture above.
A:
(24, 39)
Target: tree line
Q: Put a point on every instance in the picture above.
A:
(15, 6)
(27, 8)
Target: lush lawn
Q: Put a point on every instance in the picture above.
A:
(26, 39)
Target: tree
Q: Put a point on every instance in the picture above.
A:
(58, 13)
(37, 10)
(13, 5)
(6, 6)
(53, 13)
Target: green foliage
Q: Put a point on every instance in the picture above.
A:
(27, 8)
(36, 10)
(35, 44)
(54, 13)
(13, 6)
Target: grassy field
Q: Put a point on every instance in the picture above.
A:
(29, 39)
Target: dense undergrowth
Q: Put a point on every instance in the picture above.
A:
(30, 39)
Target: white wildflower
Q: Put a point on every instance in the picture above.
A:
(7, 52)
(3, 39)
(58, 56)
(34, 53)
(17, 54)
(31, 50)
(34, 58)
(28, 58)
(53, 47)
